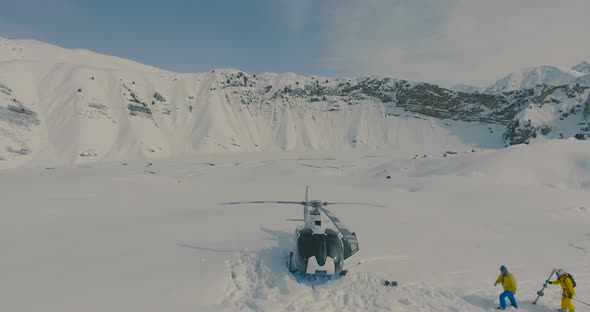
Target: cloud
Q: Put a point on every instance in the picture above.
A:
(297, 13)
(454, 41)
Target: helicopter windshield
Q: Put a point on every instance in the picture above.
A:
(320, 245)
(305, 244)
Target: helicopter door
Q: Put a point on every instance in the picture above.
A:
(350, 244)
(305, 244)
(334, 245)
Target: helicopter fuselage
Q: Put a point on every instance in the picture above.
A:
(317, 249)
(318, 252)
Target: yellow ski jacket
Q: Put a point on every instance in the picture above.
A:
(507, 281)
(567, 285)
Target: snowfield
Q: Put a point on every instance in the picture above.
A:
(141, 236)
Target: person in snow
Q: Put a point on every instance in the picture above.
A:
(567, 283)
(507, 280)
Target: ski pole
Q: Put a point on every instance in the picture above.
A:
(354, 266)
(344, 272)
(582, 302)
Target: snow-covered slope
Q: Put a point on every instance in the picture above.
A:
(60, 106)
(36, 51)
(70, 106)
(582, 67)
(584, 80)
(68, 113)
(153, 237)
(531, 77)
(466, 88)
(557, 113)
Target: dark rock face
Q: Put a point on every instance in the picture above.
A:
(136, 107)
(22, 151)
(139, 110)
(4, 89)
(519, 134)
(391, 97)
(19, 115)
(587, 108)
(422, 98)
(159, 97)
(431, 100)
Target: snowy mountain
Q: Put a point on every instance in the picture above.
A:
(584, 80)
(34, 51)
(466, 88)
(74, 106)
(531, 77)
(582, 67)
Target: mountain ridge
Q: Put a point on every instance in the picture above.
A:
(69, 110)
(582, 67)
(533, 76)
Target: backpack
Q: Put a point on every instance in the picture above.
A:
(573, 280)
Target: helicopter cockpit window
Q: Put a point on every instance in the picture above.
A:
(305, 245)
(311, 245)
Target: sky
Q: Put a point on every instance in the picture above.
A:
(443, 41)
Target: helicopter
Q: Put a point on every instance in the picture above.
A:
(317, 249)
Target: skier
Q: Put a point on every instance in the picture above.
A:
(567, 283)
(507, 280)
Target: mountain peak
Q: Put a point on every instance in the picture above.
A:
(530, 77)
(582, 67)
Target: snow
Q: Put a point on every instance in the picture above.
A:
(87, 108)
(132, 236)
(116, 207)
(466, 88)
(12, 50)
(582, 67)
(91, 108)
(584, 80)
(530, 77)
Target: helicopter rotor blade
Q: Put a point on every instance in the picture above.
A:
(347, 203)
(265, 202)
